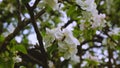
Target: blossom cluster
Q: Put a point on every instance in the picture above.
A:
(17, 59)
(90, 10)
(67, 43)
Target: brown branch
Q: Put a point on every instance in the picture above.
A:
(19, 11)
(19, 27)
(1, 27)
(34, 59)
(66, 24)
(92, 47)
(112, 39)
(35, 4)
(110, 56)
(39, 36)
(105, 31)
(86, 41)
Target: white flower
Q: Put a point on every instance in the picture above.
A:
(49, 38)
(52, 34)
(68, 49)
(114, 31)
(52, 3)
(56, 33)
(50, 64)
(75, 59)
(87, 5)
(90, 5)
(67, 43)
(93, 10)
(72, 40)
(98, 20)
(69, 38)
(17, 59)
(48, 41)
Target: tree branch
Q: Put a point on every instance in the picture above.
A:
(112, 39)
(66, 24)
(110, 56)
(19, 11)
(19, 27)
(34, 59)
(39, 36)
(35, 4)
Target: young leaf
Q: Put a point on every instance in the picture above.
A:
(21, 48)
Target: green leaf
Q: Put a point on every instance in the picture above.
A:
(1, 38)
(48, 9)
(21, 48)
(77, 31)
(9, 64)
(52, 49)
(6, 64)
(56, 20)
(70, 11)
(88, 33)
(25, 1)
(92, 62)
(2, 63)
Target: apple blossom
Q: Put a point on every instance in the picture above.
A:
(98, 20)
(50, 64)
(56, 33)
(67, 43)
(69, 38)
(67, 49)
(90, 10)
(17, 59)
(52, 34)
(75, 59)
(114, 31)
(87, 5)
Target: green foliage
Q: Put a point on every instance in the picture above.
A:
(11, 12)
(21, 48)
(92, 63)
(6, 64)
(52, 49)
(73, 12)
(56, 20)
(1, 38)
(89, 33)
(6, 60)
(25, 1)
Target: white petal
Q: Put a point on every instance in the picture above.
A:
(75, 59)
